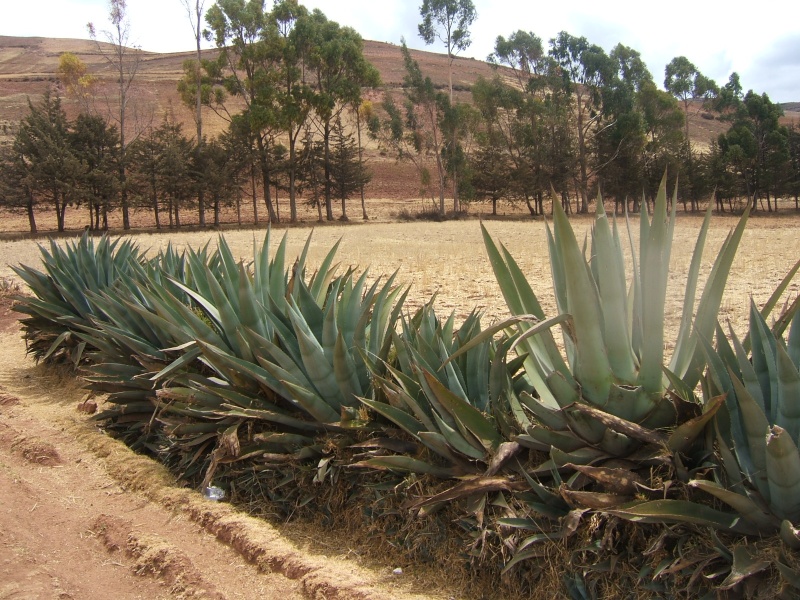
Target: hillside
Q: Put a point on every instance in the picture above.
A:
(28, 66)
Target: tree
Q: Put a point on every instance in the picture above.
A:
(685, 82)
(586, 69)
(491, 169)
(125, 61)
(194, 10)
(348, 172)
(43, 155)
(425, 108)
(78, 83)
(95, 144)
(16, 185)
(339, 72)
(449, 22)
(757, 147)
(363, 112)
(293, 43)
(247, 69)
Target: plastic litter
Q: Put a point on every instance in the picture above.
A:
(214, 493)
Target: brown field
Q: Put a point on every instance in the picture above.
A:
(448, 259)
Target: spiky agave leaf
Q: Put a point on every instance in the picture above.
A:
(614, 340)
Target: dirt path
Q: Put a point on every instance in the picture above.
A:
(83, 517)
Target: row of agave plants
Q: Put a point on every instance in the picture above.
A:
(230, 371)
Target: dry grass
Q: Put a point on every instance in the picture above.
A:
(448, 259)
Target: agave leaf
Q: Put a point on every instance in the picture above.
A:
(680, 511)
(788, 396)
(684, 435)
(742, 504)
(322, 277)
(310, 401)
(400, 418)
(177, 364)
(768, 307)
(469, 487)
(591, 367)
(655, 246)
(345, 371)
(744, 566)
(764, 362)
(682, 354)
(459, 442)
(783, 474)
(790, 536)
(608, 256)
(756, 429)
(748, 373)
(627, 428)
(468, 416)
(407, 464)
(319, 369)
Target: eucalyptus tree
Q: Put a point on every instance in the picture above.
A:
(249, 70)
(684, 81)
(194, 10)
(757, 147)
(125, 60)
(425, 108)
(620, 145)
(586, 70)
(339, 71)
(447, 21)
(663, 123)
(532, 118)
(292, 45)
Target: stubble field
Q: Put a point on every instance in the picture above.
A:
(449, 260)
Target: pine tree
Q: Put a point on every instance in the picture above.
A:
(348, 171)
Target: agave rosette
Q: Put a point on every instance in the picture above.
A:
(609, 397)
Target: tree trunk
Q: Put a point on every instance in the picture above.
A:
(255, 199)
(154, 200)
(265, 173)
(31, 213)
(361, 164)
(327, 148)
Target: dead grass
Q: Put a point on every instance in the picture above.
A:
(449, 260)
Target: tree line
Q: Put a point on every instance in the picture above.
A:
(569, 121)
(576, 121)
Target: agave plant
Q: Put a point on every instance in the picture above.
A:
(60, 305)
(610, 396)
(758, 431)
(443, 405)
(232, 345)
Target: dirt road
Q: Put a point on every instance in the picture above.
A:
(83, 517)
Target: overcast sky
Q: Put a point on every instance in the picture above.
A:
(761, 42)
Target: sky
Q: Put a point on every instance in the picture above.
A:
(760, 42)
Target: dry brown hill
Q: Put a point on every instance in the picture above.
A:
(28, 66)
